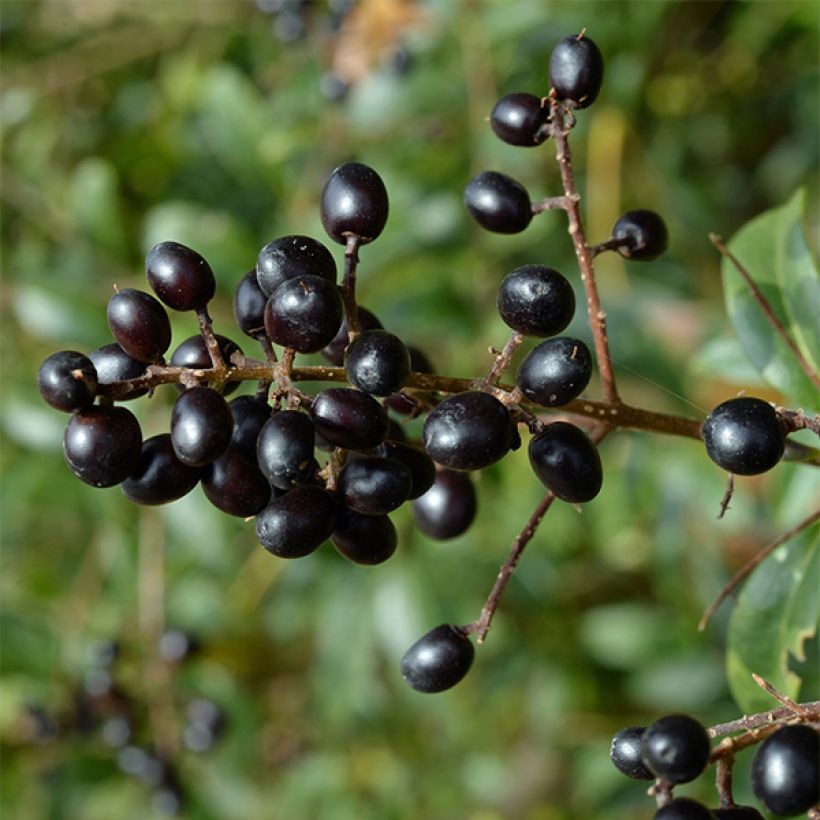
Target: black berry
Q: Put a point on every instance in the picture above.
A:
(682, 808)
(519, 119)
(567, 462)
(289, 257)
(498, 203)
(113, 364)
(401, 402)
(438, 660)
(179, 276)
(68, 381)
(536, 301)
(159, 476)
(377, 362)
(193, 353)
(249, 306)
(249, 416)
(738, 813)
(676, 748)
(625, 753)
(374, 485)
(334, 351)
(349, 418)
(448, 508)
(234, 484)
(284, 449)
(201, 426)
(140, 324)
(421, 466)
(354, 203)
(555, 372)
(576, 70)
(744, 436)
(364, 539)
(642, 235)
(297, 523)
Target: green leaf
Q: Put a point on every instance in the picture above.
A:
(776, 613)
(773, 249)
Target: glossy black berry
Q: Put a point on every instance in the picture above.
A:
(536, 301)
(113, 364)
(374, 485)
(284, 449)
(334, 351)
(377, 362)
(234, 484)
(676, 748)
(625, 753)
(67, 380)
(364, 539)
(349, 418)
(304, 313)
(421, 466)
(555, 371)
(193, 353)
(298, 522)
(179, 276)
(744, 436)
(290, 257)
(683, 808)
(438, 660)
(468, 431)
(140, 324)
(102, 445)
(249, 306)
(738, 813)
(519, 119)
(354, 203)
(566, 462)
(401, 402)
(159, 477)
(498, 203)
(249, 416)
(201, 426)
(448, 508)
(642, 235)
(786, 770)
(576, 70)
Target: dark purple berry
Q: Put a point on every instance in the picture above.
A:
(249, 416)
(744, 436)
(519, 119)
(354, 203)
(738, 813)
(290, 257)
(201, 426)
(159, 476)
(68, 381)
(421, 466)
(179, 276)
(374, 485)
(498, 203)
(113, 364)
(284, 449)
(576, 70)
(676, 748)
(566, 462)
(468, 431)
(555, 371)
(249, 306)
(193, 354)
(682, 808)
(334, 351)
(377, 362)
(642, 235)
(234, 484)
(448, 508)
(438, 660)
(401, 402)
(297, 523)
(349, 418)
(536, 301)
(140, 324)
(364, 539)
(625, 753)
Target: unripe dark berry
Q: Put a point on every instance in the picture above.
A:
(377, 362)
(536, 301)
(159, 477)
(67, 381)
(448, 508)
(139, 323)
(744, 436)
(438, 660)
(179, 276)
(786, 770)
(468, 431)
(555, 372)
(498, 203)
(291, 256)
(518, 119)
(676, 748)
(567, 462)
(642, 235)
(576, 70)
(625, 753)
(249, 306)
(354, 203)
(683, 808)
(364, 539)
(298, 522)
(349, 418)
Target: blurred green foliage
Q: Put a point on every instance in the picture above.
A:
(205, 122)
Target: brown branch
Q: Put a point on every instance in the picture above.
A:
(747, 568)
(748, 722)
(794, 420)
(727, 496)
(207, 331)
(349, 284)
(770, 315)
(723, 781)
(785, 700)
(550, 203)
(503, 359)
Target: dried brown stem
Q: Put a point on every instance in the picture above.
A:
(723, 781)
(727, 496)
(747, 568)
(349, 284)
(503, 359)
(794, 420)
(749, 722)
(207, 331)
(769, 689)
(550, 203)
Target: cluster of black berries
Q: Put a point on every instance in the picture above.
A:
(104, 709)
(676, 749)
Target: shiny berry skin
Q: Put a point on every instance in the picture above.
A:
(738, 813)
(67, 381)
(576, 70)
(201, 426)
(354, 203)
(249, 416)
(291, 256)
(102, 445)
(625, 753)
(786, 770)
(421, 466)
(193, 353)
(349, 418)
(334, 351)
(364, 539)
(377, 362)
(179, 276)
(448, 508)
(566, 462)
(682, 808)
(498, 203)
(159, 477)
(438, 660)
(140, 324)
(676, 748)
(518, 119)
(400, 402)
(744, 436)
(536, 301)
(297, 523)
(249, 306)
(642, 235)
(234, 484)
(374, 485)
(555, 372)
(284, 449)
(468, 431)
(304, 313)
(113, 364)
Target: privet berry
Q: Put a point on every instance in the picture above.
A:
(438, 660)
(290, 257)
(140, 324)
(334, 351)
(67, 381)
(113, 364)
(498, 203)
(179, 276)
(159, 477)
(364, 539)
(576, 70)
(249, 306)
(234, 484)
(448, 508)
(284, 449)
(676, 748)
(566, 462)
(373, 485)
(625, 753)
(354, 203)
(683, 808)
(193, 353)
(555, 372)
(377, 362)
(738, 813)
(519, 119)
(641, 234)
(536, 301)
(201, 426)
(298, 522)
(744, 436)
(349, 418)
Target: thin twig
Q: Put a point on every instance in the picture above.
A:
(769, 689)
(503, 359)
(727, 496)
(549, 203)
(349, 284)
(748, 722)
(723, 781)
(747, 568)
(207, 331)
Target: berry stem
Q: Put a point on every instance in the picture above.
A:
(748, 722)
(611, 244)
(550, 203)
(779, 696)
(723, 781)
(207, 331)
(502, 359)
(349, 284)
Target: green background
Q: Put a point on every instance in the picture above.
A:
(129, 123)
